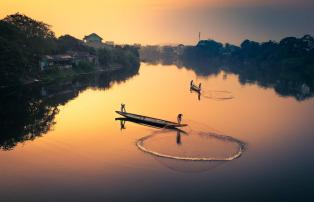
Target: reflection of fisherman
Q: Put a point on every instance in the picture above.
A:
(122, 124)
(123, 108)
(179, 118)
(178, 137)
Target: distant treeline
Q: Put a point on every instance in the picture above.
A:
(23, 42)
(287, 66)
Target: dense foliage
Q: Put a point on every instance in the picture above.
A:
(125, 56)
(23, 42)
(67, 43)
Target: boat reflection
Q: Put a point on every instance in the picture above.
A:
(152, 125)
(199, 93)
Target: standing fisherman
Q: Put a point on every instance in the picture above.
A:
(123, 108)
(191, 83)
(179, 118)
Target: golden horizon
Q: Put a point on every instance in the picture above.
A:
(163, 21)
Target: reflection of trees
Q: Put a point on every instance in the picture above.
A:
(27, 112)
(24, 116)
(285, 81)
(288, 78)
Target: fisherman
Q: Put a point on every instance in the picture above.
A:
(199, 86)
(179, 118)
(191, 83)
(123, 108)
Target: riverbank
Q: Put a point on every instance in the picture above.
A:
(58, 74)
(33, 54)
(65, 74)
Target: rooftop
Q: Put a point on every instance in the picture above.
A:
(92, 35)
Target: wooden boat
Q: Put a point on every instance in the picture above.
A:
(195, 88)
(150, 121)
(152, 125)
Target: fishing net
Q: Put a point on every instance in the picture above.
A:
(195, 144)
(217, 94)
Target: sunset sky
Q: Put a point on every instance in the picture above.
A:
(171, 21)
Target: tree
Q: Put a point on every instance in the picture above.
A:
(22, 42)
(39, 38)
(70, 43)
(31, 28)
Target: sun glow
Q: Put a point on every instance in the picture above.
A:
(161, 21)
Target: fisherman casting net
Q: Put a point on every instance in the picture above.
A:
(194, 145)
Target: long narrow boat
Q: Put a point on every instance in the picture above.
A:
(149, 124)
(151, 121)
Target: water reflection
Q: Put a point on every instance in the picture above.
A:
(28, 112)
(87, 153)
(199, 143)
(172, 164)
(285, 81)
(198, 93)
(152, 125)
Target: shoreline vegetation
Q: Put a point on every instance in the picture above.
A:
(39, 72)
(286, 66)
(58, 69)
(30, 52)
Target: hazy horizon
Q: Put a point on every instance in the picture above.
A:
(171, 22)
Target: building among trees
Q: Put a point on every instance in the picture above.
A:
(93, 40)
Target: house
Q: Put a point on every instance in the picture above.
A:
(94, 41)
(64, 61)
(79, 57)
(67, 60)
(92, 38)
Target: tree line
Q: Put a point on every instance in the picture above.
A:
(23, 42)
(287, 65)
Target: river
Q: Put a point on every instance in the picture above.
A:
(71, 148)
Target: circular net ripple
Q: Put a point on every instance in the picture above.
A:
(193, 146)
(217, 94)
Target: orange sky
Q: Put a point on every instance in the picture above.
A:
(154, 21)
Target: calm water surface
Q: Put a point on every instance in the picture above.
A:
(87, 157)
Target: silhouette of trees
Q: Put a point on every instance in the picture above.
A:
(287, 66)
(23, 41)
(69, 43)
(23, 116)
(125, 56)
